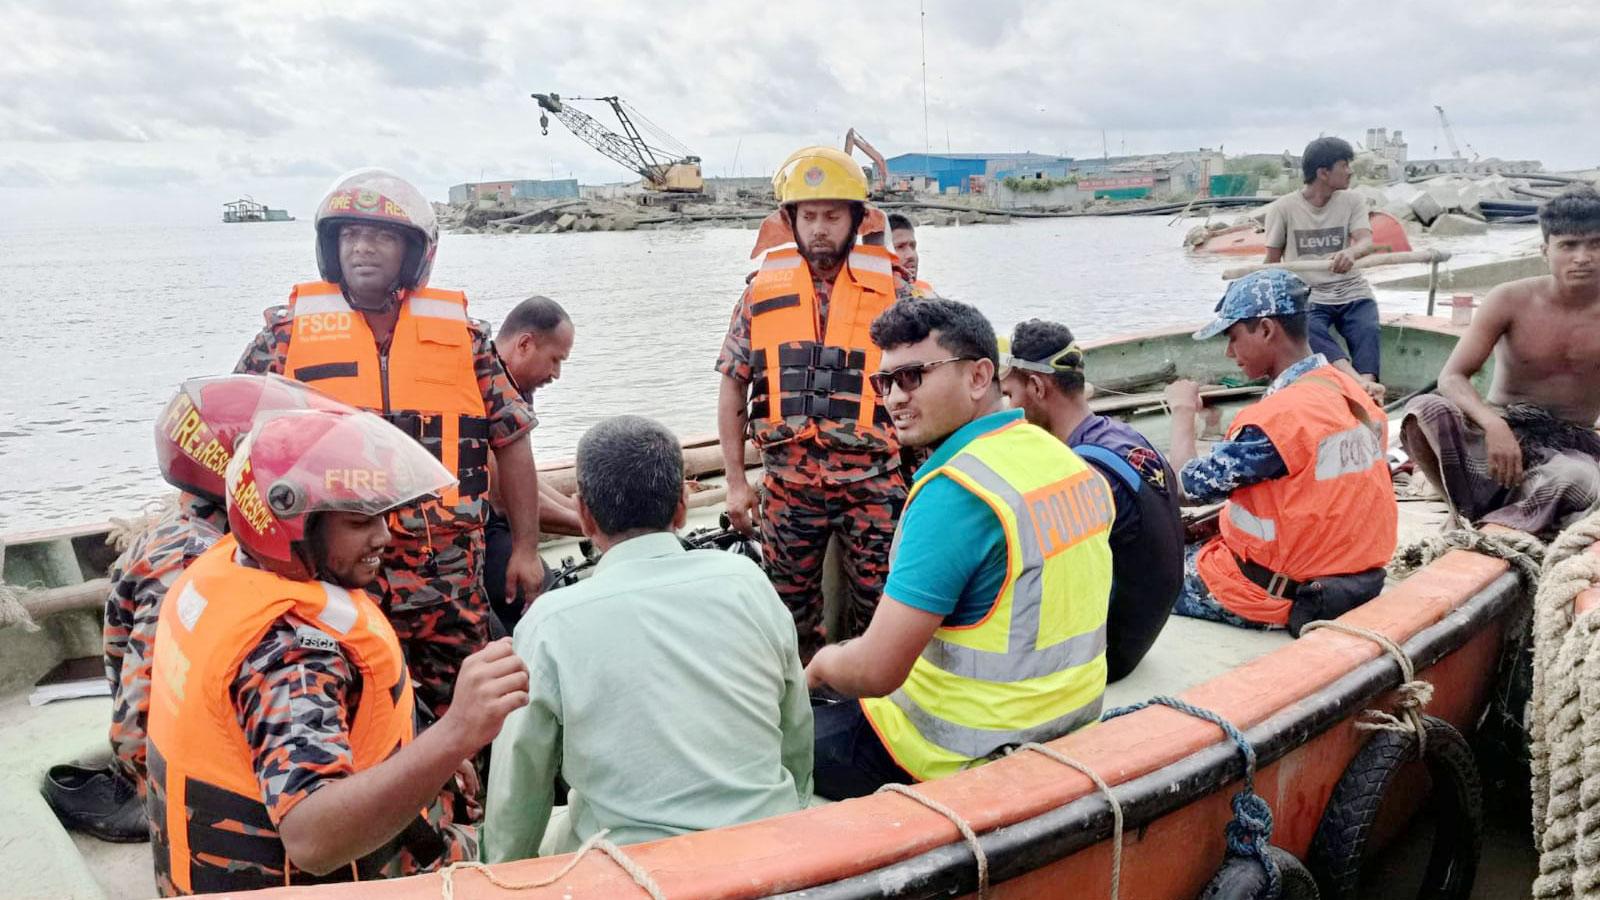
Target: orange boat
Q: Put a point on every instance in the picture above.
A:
(1250, 239)
(1336, 793)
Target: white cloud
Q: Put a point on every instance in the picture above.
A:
(272, 98)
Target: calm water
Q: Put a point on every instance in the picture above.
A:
(104, 323)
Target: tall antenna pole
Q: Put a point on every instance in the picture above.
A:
(922, 28)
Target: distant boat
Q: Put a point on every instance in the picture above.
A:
(1250, 239)
(248, 210)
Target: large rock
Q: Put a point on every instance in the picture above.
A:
(1456, 225)
(1446, 192)
(566, 221)
(1426, 208)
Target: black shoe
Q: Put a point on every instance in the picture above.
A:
(99, 802)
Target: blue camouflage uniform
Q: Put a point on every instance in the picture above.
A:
(1249, 456)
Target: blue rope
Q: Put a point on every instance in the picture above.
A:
(1251, 828)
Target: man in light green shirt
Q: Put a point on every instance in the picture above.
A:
(666, 688)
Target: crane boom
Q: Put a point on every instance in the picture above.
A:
(591, 132)
(1449, 135)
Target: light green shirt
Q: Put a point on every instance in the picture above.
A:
(666, 690)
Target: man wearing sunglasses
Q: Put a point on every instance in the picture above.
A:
(794, 369)
(1042, 374)
(1309, 518)
(992, 627)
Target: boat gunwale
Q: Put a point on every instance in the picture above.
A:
(1030, 844)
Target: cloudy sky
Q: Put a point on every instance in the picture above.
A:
(160, 111)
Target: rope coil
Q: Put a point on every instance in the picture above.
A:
(1412, 695)
(1105, 790)
(967, 834)
(1251, 829)
(596, 841)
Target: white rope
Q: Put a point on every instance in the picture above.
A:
(967, 834)
(1105, 789)
(1564, 719)
(1412, 695)
(13, 611)
(596, 841)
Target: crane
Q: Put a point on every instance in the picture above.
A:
(674, 171)
(1450, 136)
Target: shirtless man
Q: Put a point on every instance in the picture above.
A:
(1527, 458)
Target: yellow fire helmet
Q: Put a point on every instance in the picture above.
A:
(819, 173)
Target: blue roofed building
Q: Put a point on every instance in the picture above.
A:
(962, 171)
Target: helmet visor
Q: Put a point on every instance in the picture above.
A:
(316, 461)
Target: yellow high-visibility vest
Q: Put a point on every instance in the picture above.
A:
(1034, 668)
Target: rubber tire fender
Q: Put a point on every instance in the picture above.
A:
(1242, 878)
(1339, 848)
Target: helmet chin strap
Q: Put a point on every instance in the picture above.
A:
(390, 301)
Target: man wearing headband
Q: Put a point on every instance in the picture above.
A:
(1042, 374)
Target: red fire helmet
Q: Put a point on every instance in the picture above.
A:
(293, 464)
(196, 433)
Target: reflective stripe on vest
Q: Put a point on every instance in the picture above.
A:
(1334, 513)
(1034, 667)
(429, 388)
(203, 777)
(804, 376)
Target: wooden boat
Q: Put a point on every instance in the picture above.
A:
(1044, 828)
(1250, 238)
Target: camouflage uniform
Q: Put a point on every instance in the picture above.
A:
(139, 580)
(1245, 459)
(816, 488)
(431, 585)
(295, 695)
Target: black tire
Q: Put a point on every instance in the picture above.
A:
(1339, 850)
(1242, 878)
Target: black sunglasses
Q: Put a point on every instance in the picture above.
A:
(909, 377)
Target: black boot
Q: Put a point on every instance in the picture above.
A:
(99, 802)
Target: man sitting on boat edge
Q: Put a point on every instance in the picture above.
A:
(667, 690)
(1042, 373)
(195, 437)
(281, 710)
(991, 629)
(1309, 518)
(1529, 457)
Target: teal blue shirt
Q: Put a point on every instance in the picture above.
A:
(951, 559)
(667, 690)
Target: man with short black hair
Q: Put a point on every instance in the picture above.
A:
(1309, 517)
(991, 629)
(690, 649)
(533, 341)
(1042, 374)
(1527, 458)
(903, 240)
(1325, 220)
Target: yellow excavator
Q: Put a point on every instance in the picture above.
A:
(672, 170)
(881, 186)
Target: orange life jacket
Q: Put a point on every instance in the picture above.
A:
(1333, 514)
(204, 801)
(920, 288)
(426, 385)
(803, 380)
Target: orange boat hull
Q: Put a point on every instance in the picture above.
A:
(1248, 240)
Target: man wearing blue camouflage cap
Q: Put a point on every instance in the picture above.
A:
(1309, 518)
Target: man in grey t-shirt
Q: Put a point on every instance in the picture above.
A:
(1323, 220)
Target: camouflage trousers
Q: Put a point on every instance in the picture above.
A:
(798, 518)
(434, 598)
